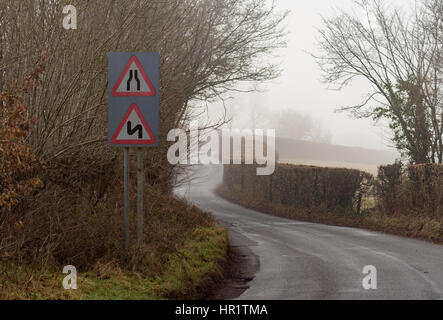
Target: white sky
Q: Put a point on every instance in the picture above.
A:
(300, 86)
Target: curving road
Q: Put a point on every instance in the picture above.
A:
(297, 260)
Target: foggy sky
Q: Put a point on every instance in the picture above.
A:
(300, 88)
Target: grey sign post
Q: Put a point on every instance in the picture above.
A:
(133, 117)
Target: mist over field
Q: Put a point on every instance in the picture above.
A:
(298, 104)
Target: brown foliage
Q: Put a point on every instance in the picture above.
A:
(19, 165)
(205, 47)
(76, 216)
(64, 225)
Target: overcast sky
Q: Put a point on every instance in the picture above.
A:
(300, 86)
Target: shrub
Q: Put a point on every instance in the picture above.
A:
(75, 217)
(425, 183)
(302, 186)
(19, 165)
(388, 186)
(416, 189)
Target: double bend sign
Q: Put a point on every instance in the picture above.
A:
(133, 114)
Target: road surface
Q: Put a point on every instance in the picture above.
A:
(298, 260)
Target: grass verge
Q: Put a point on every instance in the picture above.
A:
(188, 274)
(190, 271)
(183, 254)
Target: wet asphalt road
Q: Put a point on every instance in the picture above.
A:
(298, 260)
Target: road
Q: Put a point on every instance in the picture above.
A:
(298, 260)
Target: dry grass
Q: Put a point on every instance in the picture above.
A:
(189, 271)
(64, 225)
(68, 212)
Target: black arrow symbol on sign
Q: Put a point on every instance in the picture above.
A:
(128, 84)
(138, 128)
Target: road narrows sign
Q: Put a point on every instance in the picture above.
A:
(133, 99)
(133, 119)
(133, 129)
(133, 81)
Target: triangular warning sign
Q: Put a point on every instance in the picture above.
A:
(133, 129)
(133, 81)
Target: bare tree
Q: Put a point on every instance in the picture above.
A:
(398, 53)
(432, 24)
(206, 46)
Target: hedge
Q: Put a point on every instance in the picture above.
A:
(414, 189)
(302, 186)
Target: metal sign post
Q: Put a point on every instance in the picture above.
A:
(126, 197)
(133, 118)
(140, 195)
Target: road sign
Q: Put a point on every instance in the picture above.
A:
(133, 98)
(133, 129)
(133, 81)
(133, 118)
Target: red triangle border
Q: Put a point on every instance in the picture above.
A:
(134, 94)
(151, 141)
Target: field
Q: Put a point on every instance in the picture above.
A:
(372, 169)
